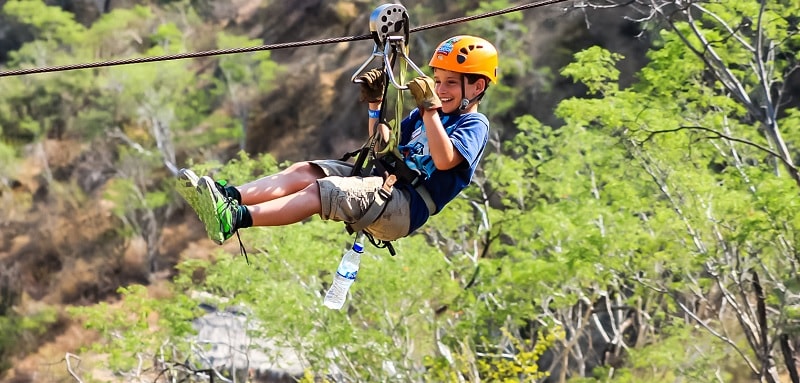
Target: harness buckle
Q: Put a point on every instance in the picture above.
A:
(388, 184)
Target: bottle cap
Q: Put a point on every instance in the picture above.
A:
(357, 247)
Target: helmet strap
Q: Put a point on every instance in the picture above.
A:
(464, 104)
(464, 100)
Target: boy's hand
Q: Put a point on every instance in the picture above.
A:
(422, 88)
(372, 83)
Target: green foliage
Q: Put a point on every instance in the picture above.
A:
(19, 334)
(637, 182)
(290, 270)
(33, 106)
(240, 170)
(254, 68)
(523, 367)
(105, 33)
(595, 68)
(683, 353)
(8, 158)
(140, 325)
(51, 24)
(244, 76)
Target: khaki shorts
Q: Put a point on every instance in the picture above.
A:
(347, 199)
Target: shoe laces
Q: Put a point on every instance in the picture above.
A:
(242, 250)
(220, 184)
(234, 207)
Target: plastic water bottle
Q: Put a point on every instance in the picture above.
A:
(344, 277)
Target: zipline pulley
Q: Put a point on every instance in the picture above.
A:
(389, 25)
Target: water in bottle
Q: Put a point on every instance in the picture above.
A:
(344, 277)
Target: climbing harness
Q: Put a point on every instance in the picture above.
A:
(389, 26)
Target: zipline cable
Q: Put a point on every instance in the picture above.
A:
(216, 52)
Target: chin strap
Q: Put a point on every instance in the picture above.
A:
(464, 100)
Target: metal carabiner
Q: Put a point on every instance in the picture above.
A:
(402, 53)
(376, 53)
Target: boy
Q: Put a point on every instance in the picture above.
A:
(442, 141)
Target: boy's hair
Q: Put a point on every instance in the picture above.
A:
(472, 77)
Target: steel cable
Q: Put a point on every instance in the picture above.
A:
(216, 52)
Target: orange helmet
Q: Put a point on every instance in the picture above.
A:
(466, 54)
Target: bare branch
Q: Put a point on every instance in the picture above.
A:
(67, 359)
(733, 32)
(721, 337)
(716, 135)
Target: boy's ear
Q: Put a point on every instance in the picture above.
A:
(481, 84)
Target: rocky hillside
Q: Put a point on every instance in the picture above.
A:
(58, 249)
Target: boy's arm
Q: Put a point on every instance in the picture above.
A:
(372, 84)
(444, 154)
(373, 106)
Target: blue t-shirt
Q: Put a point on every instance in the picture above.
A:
(468, 132)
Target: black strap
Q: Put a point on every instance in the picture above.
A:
(381, 244)
(390, 164)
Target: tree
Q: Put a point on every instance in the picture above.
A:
(706, 133)
(657, 205)
(244, 76)
(38, 107)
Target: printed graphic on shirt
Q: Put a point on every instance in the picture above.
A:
(417, 131)
(417, 152)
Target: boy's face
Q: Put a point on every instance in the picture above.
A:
(448, 88)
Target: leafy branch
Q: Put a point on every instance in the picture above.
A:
(719, 135)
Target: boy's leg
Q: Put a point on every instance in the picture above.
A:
(286, 197)
(291, 180)
(288, 209)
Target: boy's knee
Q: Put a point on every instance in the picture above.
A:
(313, 169)
(298, 166)
(305, 172)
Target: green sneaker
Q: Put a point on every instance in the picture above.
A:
(186, 186)
(217, 211)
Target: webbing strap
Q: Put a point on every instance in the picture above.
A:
(399, 49)
(426, 196)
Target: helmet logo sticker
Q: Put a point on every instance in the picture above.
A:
(447, 46)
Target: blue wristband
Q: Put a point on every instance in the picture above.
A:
(374, 113)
